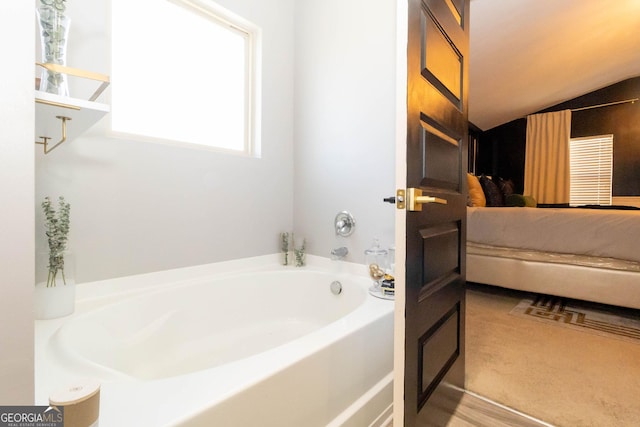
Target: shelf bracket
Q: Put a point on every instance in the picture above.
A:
(45, 139)
(57, 68)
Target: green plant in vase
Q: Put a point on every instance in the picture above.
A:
(57, 231)
(54, 29)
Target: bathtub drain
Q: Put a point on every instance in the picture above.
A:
(336, 287)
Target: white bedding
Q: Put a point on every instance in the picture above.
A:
(590, 232)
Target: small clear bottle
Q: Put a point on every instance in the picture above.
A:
(391, 259)
(377, 260)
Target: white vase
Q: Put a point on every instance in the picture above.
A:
(59, 298)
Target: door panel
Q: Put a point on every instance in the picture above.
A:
(435, 237)
(440, 248)
(439, 159)
(439, 349)
(442, 64)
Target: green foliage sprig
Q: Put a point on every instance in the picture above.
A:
(57, 231)
(299, 253)
(56, 4)
(284, 247)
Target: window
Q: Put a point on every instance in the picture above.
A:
(184, 71)
(591, 170)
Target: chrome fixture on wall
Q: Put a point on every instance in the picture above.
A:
(344, 224)
(339, 253)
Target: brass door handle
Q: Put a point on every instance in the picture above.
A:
(429, 199)
(416, 199)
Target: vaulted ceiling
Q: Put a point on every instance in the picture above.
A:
(526, 55)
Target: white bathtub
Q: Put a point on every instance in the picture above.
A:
(241, 343)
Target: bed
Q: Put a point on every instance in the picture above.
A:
(587, 254)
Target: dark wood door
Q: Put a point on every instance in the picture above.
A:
(437, 127)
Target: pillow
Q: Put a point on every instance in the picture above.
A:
(530, 202)
(506, 186)
(475, 191)
(492, 193)
(521, 201)
(515, 200)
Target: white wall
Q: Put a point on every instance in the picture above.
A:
(138, 206)
(345, 121)
(16, 214)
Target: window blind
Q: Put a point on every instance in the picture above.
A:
(591, 170)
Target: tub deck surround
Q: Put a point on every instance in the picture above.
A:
(201, 345)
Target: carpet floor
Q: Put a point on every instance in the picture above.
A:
(563, 376)
(583, 316)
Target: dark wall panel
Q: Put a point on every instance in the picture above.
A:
(501, 149)
(501, 152)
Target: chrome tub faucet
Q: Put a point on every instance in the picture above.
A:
(339, 253)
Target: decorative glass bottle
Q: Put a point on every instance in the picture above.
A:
(377, 262)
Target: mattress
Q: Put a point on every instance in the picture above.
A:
(586, 232)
